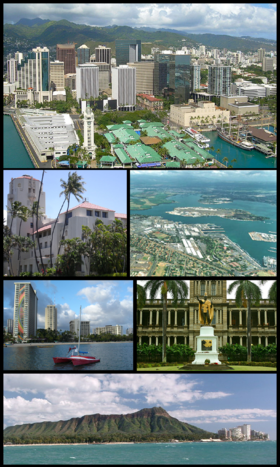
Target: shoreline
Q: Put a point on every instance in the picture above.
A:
(136, 442)
(63, 343)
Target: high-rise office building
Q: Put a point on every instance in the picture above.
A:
(128, 50)
(195, 77)
(124, 86)
(87, 81)
(103, 54)
(70, 81)
(10, 326)
(104, 75)
(173, 71)
(51, 317)
(267, 64)
(19, 57)
(219, 80)
(25, 311)
(144, 76)
(261, 54)
(66, 53)
(57, 75)
(83, 53)
(85, 327)
(34, 74)
(12, 70)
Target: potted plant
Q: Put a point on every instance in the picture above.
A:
(207, 361)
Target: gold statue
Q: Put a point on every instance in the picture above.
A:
(206, 310)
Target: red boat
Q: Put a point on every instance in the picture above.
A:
(64, 359)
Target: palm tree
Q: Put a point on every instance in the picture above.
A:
(225, 159)
(251, 293)
(37, 217)
(75, 187)
(23, 216)
(272, 294)
(15, 210)
(32, 213)
(178, 290)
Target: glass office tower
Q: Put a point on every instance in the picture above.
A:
(127, 51)
(173, 71)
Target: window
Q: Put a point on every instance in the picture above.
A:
(28, 235)
(29, 190)
(69, 214)
(31, 224)
(46, 244)
(213, 287)
(104, 214)
(202, 288)
(97, 214)
(89, 213)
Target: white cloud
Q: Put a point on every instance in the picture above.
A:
(223, 415)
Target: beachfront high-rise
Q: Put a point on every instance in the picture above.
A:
(25, 311)
(85, 327)
(66, 53)
(51, 317)
(10, 326)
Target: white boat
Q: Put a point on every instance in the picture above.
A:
(198, 136)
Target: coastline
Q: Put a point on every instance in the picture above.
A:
(68, 444)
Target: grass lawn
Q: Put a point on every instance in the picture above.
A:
(235, 368)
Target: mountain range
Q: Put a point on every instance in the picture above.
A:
(152, 422)
(53, 32)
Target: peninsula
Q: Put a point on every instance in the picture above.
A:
(146, 425)
(233, 214)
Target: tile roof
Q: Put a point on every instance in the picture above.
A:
(28, 177)
(123, 216)
(87, 205)
(46, 227)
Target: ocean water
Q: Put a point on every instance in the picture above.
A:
(237, 231)
(113, 356)
(15, 154)
(232, 453)
(244, 159)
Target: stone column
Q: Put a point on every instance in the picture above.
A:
(266, 341)
(141, 316)
(168, 341)
(240, 340)
(150, 340)
(175, 320)
(230, 339)
(265, 316)
(169, 316)
(157, 317)
(240, 318)
(259, 317)
(140, 340)
(275, 318)
(185, 340)
(260, 340)
(191, 340)
(191, 317)
(156, 340)
(175, 340)
(151, 318)
(186, 318)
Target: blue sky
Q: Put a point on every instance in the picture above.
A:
(236, 19)
(102, 302)
(106, 188)
(208, 401)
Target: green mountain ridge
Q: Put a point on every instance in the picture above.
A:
(154, 422)
(54, 32)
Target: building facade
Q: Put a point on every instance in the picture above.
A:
(230, 321)
(186, 115)
(34, 74)
(195, 77)
(83, 53)
(12, 65)
(104, 75)
(87, 81)
(89, 130)
(26, 190)
(85, 327)
(66, 53)
(124, 86)
(144, 76)
(117, 330)
(51, 317)
(57, 75)
(127, 50)
(267, 64)
(10, 326)
(219, 80)
(25, 311)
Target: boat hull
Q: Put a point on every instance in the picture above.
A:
(234, 143)
(78, 360)
(62, 360)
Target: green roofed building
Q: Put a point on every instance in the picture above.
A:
(107, 161)
(126, 135)
(176, 134)
(122, 156)
(146, 125)
(81, 164)
(141, 121)
(180, 152)
(173, 164)
(202, 152)
(118, 126)
(127, 121)
(159, 132)
(110, 138)
(143, 154)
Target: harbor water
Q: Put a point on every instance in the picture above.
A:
(113, 356)
(194, 453)
(15, 154)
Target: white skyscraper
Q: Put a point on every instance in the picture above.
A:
(19, 57)
(87, 81)
(124, 85)
(25, 311)
(12, 70)
(51, 317)
(85, 327)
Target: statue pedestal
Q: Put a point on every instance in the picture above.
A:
(207, 346)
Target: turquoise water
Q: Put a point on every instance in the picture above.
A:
(237, 231)
(232, 453)
(113, 356)
(245, 159)
(15, 154)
